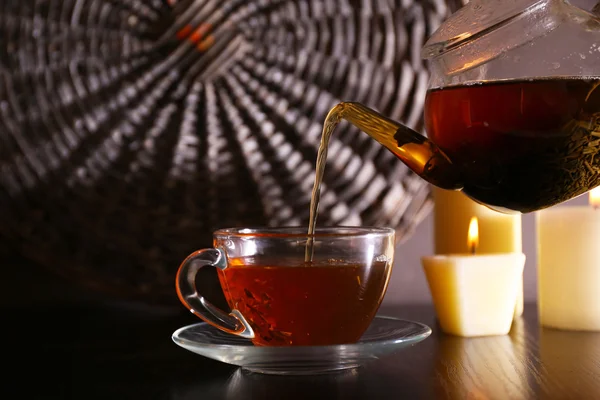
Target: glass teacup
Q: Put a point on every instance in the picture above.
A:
(279, 299)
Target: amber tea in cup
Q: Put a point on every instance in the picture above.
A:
(279, 299)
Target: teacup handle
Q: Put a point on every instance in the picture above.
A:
(185, 284)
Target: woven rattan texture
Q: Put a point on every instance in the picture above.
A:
(131, 129)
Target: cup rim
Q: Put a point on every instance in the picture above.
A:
(301, 232)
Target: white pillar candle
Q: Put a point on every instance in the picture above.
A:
(569, 266)
(499, 233)
(473, 294)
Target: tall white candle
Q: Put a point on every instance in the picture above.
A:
(499, 233)
(569, 266)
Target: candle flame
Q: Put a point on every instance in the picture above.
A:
(473, 236)
(595, 197)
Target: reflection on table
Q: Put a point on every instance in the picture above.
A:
(483, 367)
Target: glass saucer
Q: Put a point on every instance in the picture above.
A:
(385, 336)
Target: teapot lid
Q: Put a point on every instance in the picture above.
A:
(473, 20)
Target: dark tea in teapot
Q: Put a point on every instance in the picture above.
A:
(513, 145)
(520, 144)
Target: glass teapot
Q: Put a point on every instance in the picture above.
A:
(512, 111)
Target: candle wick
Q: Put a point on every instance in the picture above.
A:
(473, 248)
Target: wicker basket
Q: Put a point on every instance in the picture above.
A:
(131, 129)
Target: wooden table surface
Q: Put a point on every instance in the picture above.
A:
(90, 353)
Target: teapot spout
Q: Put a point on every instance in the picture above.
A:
(416, 151)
